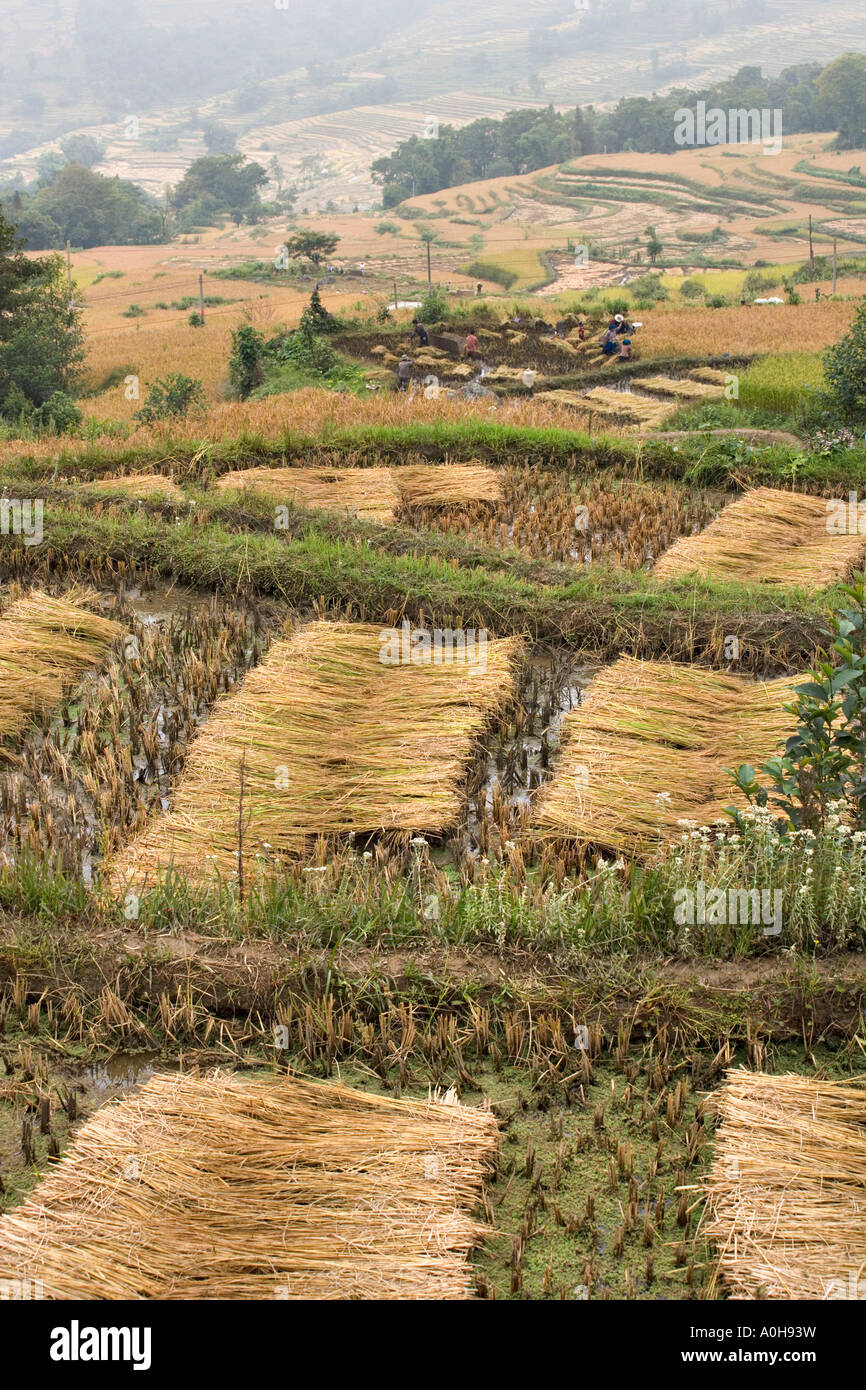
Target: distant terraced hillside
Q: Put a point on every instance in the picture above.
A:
(727, 203)
(328, 97)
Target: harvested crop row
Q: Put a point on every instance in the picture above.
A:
(339, 730)
(785, 1191)
(147, 486)
(230, 1188)
(376, 494)
(771, 537)
(648, 748)
(46, 645)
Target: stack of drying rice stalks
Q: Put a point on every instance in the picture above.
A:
(628, 406)
(648, 747)
(218, 1187)
(365, 492)
(46, 646)
(681, 387)
(334, 732)
(144, 486)
(710, 374)
(787, 1190)
(442, 485)
(771, 537)
(375, 494)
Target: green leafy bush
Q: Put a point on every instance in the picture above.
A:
(845, 367)
(823, 766)
(171, 397)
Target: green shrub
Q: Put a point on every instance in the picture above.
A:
(58, 415)
(822, 768)
(692, 289)
(171, 397)
(434, 307)
(845, 367)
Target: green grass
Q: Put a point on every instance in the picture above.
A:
(692, 460)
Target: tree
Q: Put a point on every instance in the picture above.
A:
(845, 367)
(842, 94)
(654, 247)
(218, 139)
(312, 246)
(316, 317)
(221, 183)
(246, 363)
(49, 164)
(41, 338)
(82, 149)
(92, 210)
(428, 236)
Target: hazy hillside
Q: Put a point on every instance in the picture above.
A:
(330, 89)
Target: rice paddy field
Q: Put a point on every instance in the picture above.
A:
(358, 752)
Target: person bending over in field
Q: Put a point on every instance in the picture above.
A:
(471, 348)
(404, 372)
(420, 332)
(608, 340)
(625, 351)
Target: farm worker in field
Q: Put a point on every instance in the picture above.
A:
(581, 333)
(625, 350)
(471, 348)
(420, 332)
(478, 288)
(608, 341)
(404, 372)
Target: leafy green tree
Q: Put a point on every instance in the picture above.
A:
(48, 165)
(247, 360)
(41, 337)
(316, 316)
(218, 139)
(312, 246)
(221, 183)
(654, 247)
(845, 367)
(842, 94)
(82, 149)
(59, 414)
(89, 209)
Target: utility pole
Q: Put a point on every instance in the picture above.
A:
(201, 297)
(811, 247)
(834, 265)
(69, 268)
(395, 294)
(429, 277)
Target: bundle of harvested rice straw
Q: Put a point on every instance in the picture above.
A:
(374, 494)
(334, 733)
(769, 536)
(143, 486)
(649, 747)
(786, 1195)
(222, 1187)
(46, 646)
